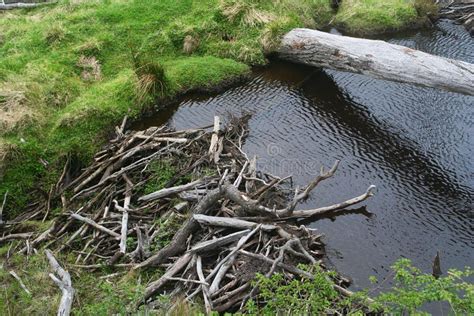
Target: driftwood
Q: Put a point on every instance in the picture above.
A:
(234, 221)
(170, 191)
(378, 59)
(63, 280)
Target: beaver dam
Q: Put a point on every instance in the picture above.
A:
(384, 134)
(234, 221)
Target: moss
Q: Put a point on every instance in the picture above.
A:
(189, 73)
(161, 173)
(372, 16)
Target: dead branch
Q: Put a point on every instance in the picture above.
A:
(90, 222)
(22, 285)
(63, 280)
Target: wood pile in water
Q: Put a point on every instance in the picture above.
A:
(234, 221)
(461, 11)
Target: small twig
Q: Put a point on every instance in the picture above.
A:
(2, 207)
(23, 286)
(92, 223)
(205, 286)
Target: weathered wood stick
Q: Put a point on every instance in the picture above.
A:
(126, 205)
(187, 280)
(23, 286)
(100, 266)
(212, 244)
(178, 265)
(378, 59)
(63, 281)
(230, 222)
(164, 139)
(214, 137)
(169, 191)
(15, 236)
(90, 222)
(3, 206)
(338, 206)
(323, 175)
(228, 295)
(205, 286)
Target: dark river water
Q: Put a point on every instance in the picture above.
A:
(415, 144)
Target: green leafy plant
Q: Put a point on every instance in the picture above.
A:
(298, 297)
(412, 289)
(410, 292)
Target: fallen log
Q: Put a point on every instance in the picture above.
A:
(378, 59)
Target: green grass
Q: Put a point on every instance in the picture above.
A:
(377, 16)
(70, 71)
(93, 296)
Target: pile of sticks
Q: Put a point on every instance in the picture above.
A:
(461, 11)
(236, 221)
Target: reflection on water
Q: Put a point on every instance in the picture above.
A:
(416, 144)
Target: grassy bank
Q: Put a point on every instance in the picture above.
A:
(69, 72)
(369, 17)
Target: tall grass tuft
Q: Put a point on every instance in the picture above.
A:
(152, 79)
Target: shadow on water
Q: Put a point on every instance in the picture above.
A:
(401, 153)
(416, 144)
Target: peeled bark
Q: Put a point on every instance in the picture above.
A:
(378, 59)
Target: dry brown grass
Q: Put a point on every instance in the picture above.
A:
(91, 68)
(246, 12)
(14, 111)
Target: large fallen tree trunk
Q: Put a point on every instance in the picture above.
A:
(378, 59)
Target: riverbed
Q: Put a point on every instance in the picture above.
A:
(415, 144)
